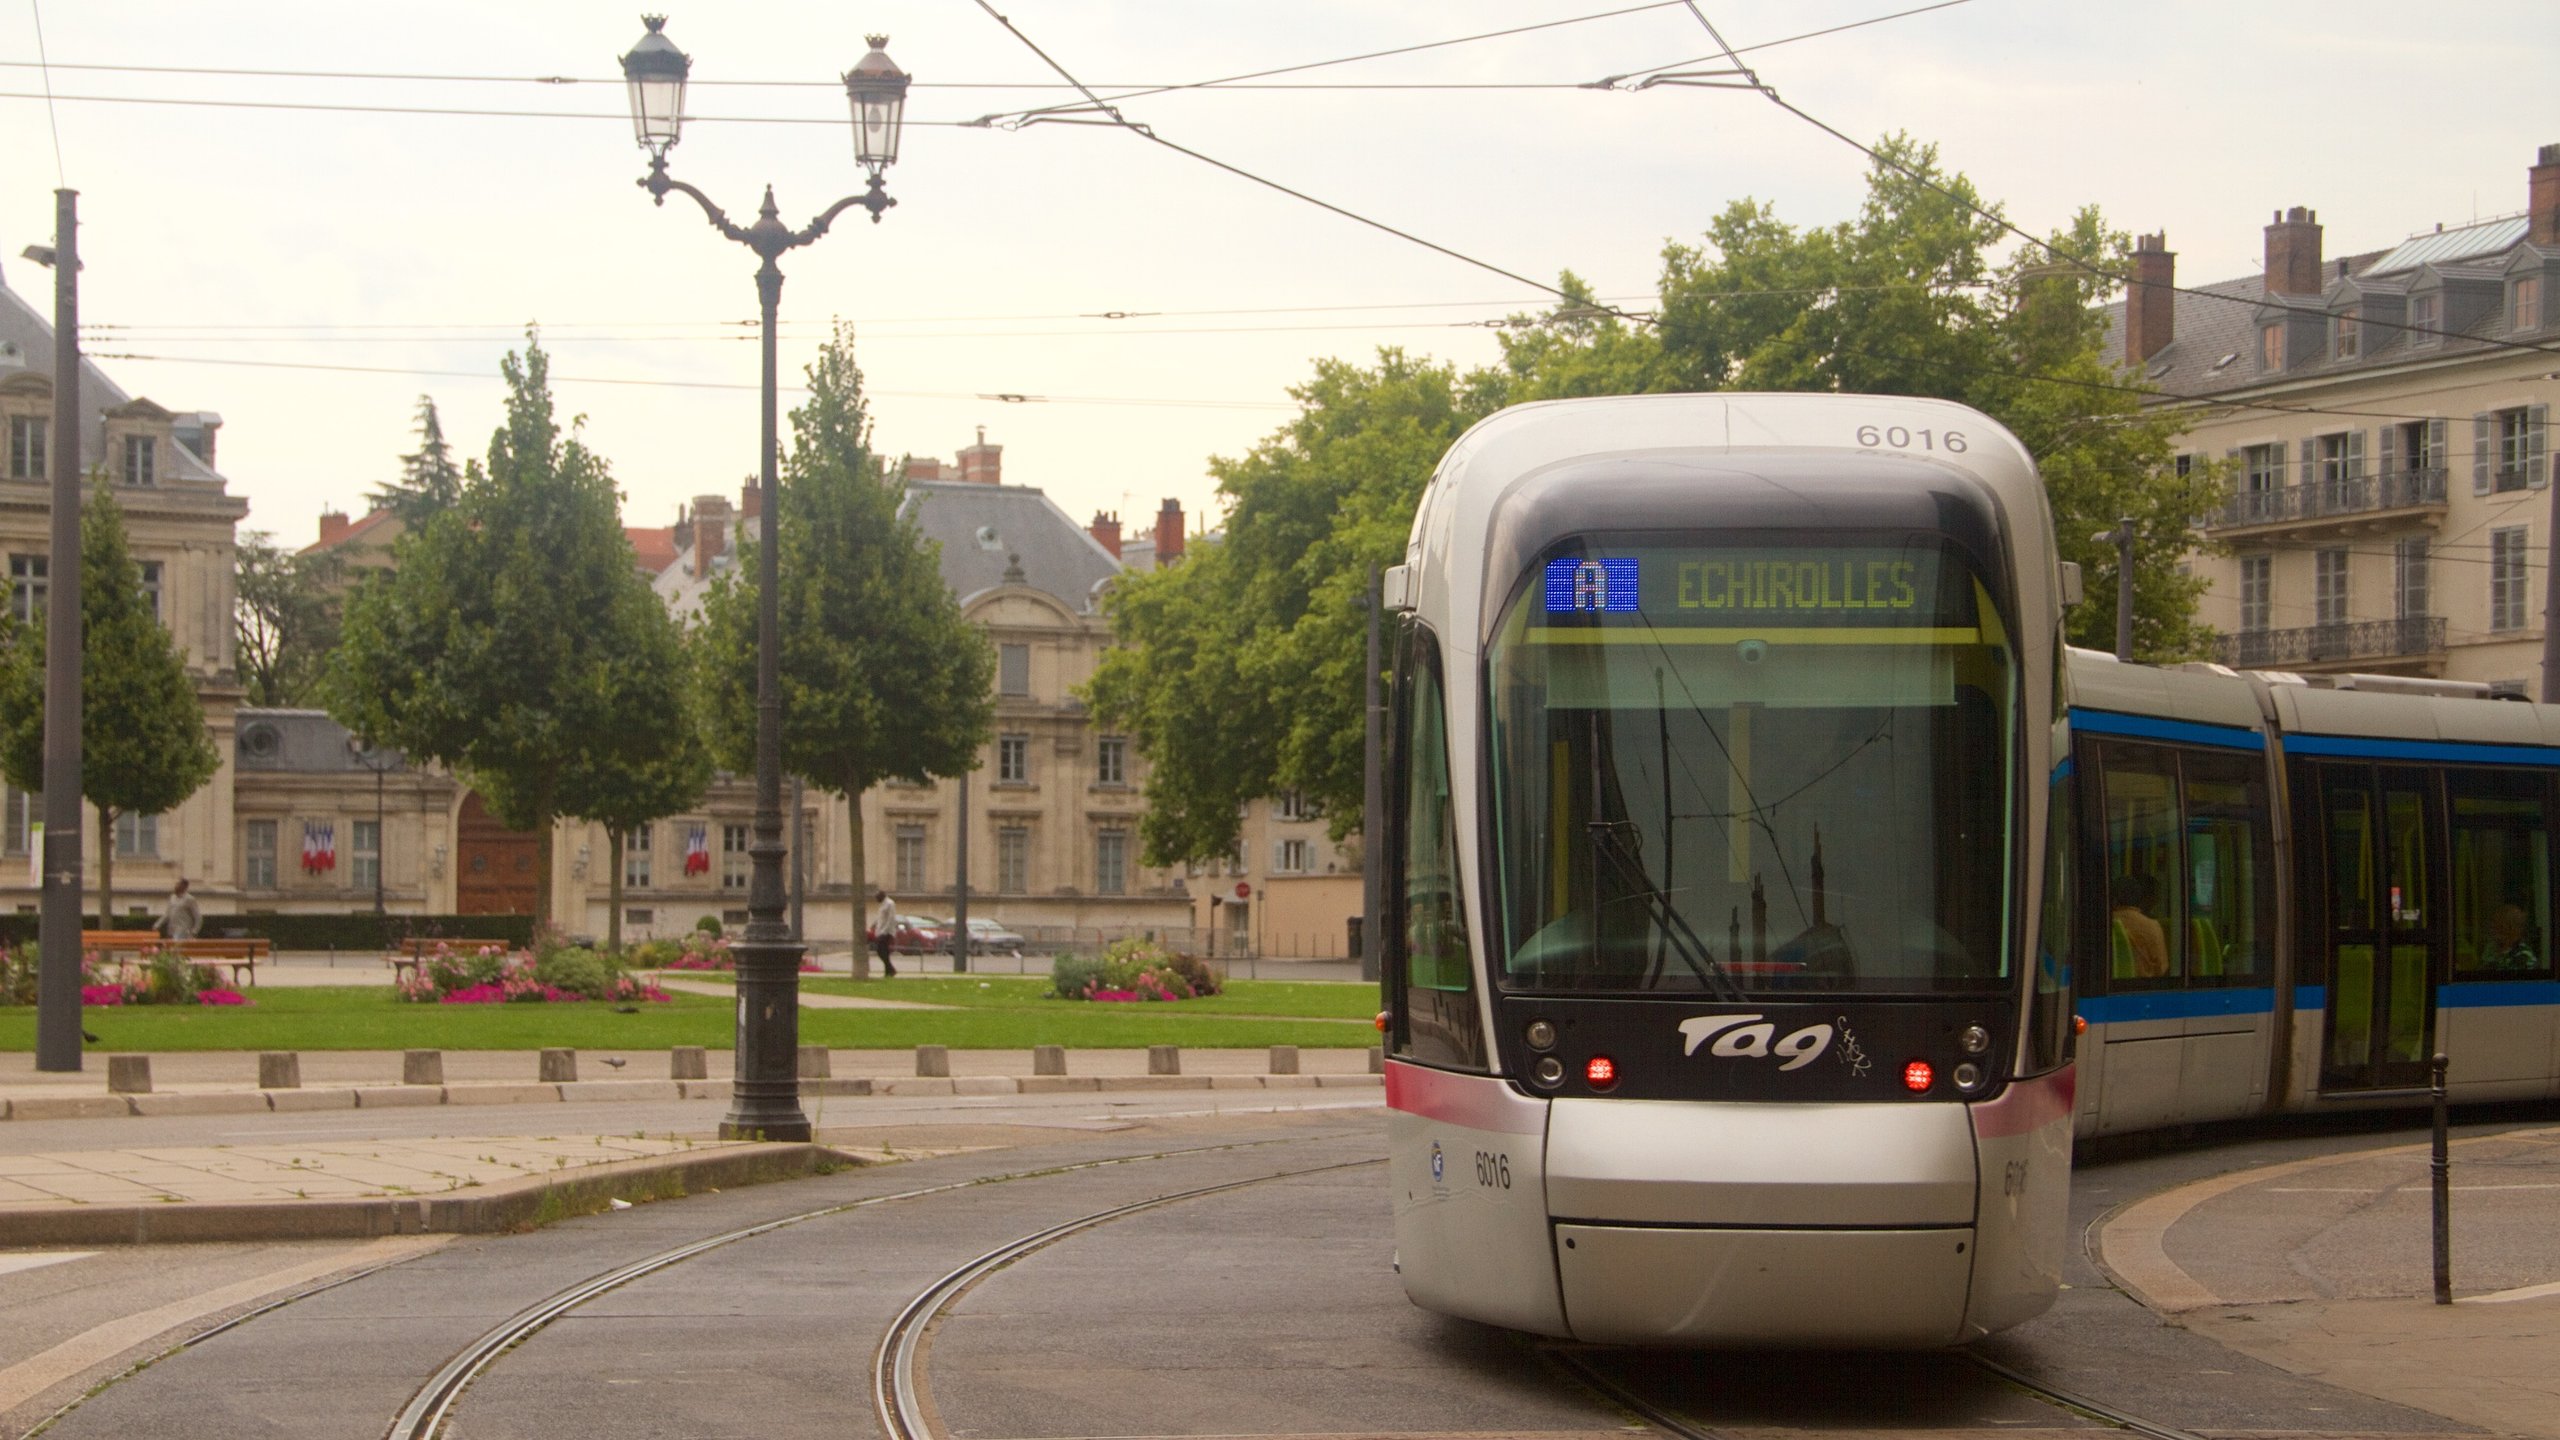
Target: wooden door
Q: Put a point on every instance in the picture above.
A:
(497, 874)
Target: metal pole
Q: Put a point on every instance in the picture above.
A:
(765, 1098)
(2441, 1169)
(1373, 790)
(960, 887)
(58, 939)
(2124, 588)
(799, 862)
(381, 851)
(2551, 608)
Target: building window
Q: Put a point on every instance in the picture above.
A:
(1293, 805)
(2184, 465)
(1111, 863)
(2527, 314)
(2409, 564)
(141, 460)
(151, 586)
(26, 586)
(2424, 313)
(2506, 579)
(138, 836)
(640, 917)
(2344, 329)
(26, 447)
(2329, 593)
(1013, 670)
(2271, 347)
(2418, 445)
(2262, 467)
(1013, 759)
(1111, 760)
(2332, 459)
(734, 860)
(2256, 575)
(1013, 860)
(910, 868)
(1293, 857)
(20, 809)
(364, 868)
(2512, 431)
(258, 856)
(635, 858)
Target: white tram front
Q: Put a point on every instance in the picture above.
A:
(1718, 768)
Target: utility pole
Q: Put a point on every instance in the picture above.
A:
(1373, 792)
(58, 941)
(2122, 538)
(2551, 604)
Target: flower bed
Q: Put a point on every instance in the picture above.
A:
(490, 975)
(700, 950)
(1131, 970)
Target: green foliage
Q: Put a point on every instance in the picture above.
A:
(517, 643)
(286, 613)
(1131, 968)
(710, 923)
(653, 954)
(429, 484)
(18, 974)
(144, 748)
(1071, 977)
(578, 970)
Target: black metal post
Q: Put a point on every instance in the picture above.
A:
(800, 864)
(58, 935)
(960, 886)
(381, 850)
(2124, 588)
(2551, 608)
(2441, 1169)
(1373, 794)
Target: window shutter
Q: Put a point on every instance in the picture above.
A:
(2310, 461)
(2390, 443)
(2355, 454)
(2537, 456)
(2435, 446)
(2481, 444)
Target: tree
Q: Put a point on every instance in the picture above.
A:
(1238, 670)
(144, 748)
(881, 675)
(503, 642)
(428, 482)
(286, 612)
(654, 764)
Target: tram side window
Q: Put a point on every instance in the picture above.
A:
(2145, 899)
(1429, 941)
(2501, 876)
(2226, 805)
(2049, 1012)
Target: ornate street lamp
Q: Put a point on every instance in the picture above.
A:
(381, 762)
(765, 1098)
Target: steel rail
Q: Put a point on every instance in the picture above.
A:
(897, 1397)
(2055, 1395)
(1611, 1389)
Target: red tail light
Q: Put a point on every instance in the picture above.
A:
(1602, 1072)
(1918, 1076)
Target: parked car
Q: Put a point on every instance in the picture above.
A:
(988, 937)
(915, 935)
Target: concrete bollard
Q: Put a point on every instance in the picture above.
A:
(688, 1062)
(1048, 1059)
(814, 1064)
(1164, 1059)
(559, 1066)
(422, 1067)
(280, 1070)
(1284, 1059)
(933, 1060)
(1377, 1060)
(129, 1074)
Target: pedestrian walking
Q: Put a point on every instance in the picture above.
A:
(185, 917)
(884, 933)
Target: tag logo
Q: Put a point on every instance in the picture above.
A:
(1748, 1037)
(1438, 1162)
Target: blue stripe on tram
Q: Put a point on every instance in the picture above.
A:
(2175, 1004)
(2148, 727)
(2481, 994)
(2310, 997)
(2454, 751)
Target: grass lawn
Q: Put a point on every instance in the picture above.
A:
(1004, 1015)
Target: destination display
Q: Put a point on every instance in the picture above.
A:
(1755, 586)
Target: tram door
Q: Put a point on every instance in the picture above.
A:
(2383, 926)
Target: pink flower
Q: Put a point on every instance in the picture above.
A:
(101, 994)
(221, 997)
(476, 995)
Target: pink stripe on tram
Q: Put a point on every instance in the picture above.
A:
(2028, 1105)
(1476, 1102)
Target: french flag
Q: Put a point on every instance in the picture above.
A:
(319, 846)
(697, 851)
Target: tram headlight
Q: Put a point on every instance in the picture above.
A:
(1542, 1035)
(1548, 1072)
(1976, 1039)
(1752, 651)
(1968, 1077)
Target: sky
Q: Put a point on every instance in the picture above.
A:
(306, 254)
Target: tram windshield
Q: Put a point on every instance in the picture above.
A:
(1741, 768)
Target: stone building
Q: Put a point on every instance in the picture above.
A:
(2385, 416)
(179, 517)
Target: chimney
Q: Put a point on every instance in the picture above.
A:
(1168, 533)
(1106, 528)
(2293, 253)
(924, 467)
(2149, 302)
(750, 502)
(982, 463)
(710, 531)
(333, 527)
(196, 432)
(2542, 201)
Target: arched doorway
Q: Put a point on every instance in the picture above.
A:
(497, 874)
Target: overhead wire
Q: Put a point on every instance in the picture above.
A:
(53, 121)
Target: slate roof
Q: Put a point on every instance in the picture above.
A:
(301, 742)
(2216, 323)
(26, 344)
(982, 528)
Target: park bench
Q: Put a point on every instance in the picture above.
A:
(239, 956)
(415, 949)
(111, 943)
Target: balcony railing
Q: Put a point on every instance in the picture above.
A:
(2327, 644)
(2333, 499)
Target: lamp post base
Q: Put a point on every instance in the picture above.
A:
(764, 1096)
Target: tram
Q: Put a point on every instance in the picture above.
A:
(1722, 744)
(2292, 893)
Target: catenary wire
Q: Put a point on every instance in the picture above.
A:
(44, 65)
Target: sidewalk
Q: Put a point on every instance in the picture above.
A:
(2324, 1267)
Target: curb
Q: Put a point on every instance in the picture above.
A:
(379, 1097)
(522, 1205)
